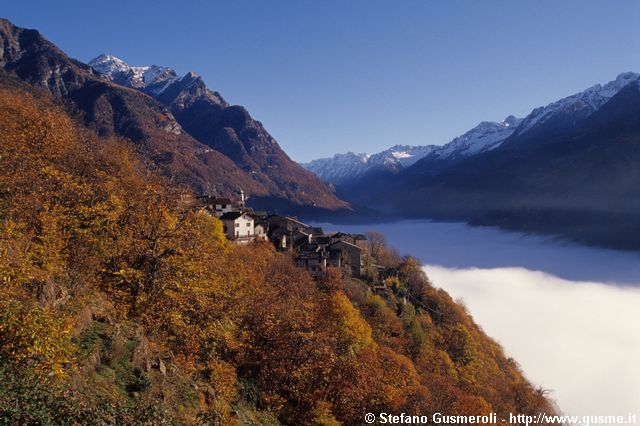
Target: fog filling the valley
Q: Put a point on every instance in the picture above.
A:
(579, 339)
(568, 314)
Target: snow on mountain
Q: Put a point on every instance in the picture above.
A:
(580, 104)
(400, 156)
(152, 77)
(339, 168)
(109, 65)
(484, 137)
(343, 167)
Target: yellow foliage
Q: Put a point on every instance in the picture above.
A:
(352, 331)
(86, 215)
(32, 337)
(322, 415)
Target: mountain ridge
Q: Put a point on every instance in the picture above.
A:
(573, 173)
(343, 168)
(228, 129)
(346, 169)
(112, 109)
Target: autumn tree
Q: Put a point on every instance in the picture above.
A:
(121, 302)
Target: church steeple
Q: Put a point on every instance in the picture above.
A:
(242, 199)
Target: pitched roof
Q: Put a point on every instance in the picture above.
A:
(220, 201)
(232, 215)
(346, 243)
(354, 237)
(324, 239)
(215, 200)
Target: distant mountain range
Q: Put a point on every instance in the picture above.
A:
(186, 130)
(570, 168)
(344, 168)
(488, 135)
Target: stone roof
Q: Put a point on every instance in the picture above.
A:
(346, 243)
(232, 215)
(216, 200)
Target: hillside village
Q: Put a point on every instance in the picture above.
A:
(311, 248)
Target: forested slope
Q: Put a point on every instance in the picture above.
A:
(121, 303)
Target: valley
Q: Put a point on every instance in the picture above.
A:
(165, 260)
(569, 169)
(566, 312)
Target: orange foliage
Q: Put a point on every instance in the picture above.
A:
(83, 216)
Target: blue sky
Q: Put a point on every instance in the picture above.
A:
(327, 76)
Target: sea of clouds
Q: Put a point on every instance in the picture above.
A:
(569, 314)
(579, 339)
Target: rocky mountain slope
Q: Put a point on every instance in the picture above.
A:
(117, 105)
(227, 129)
(123, 304)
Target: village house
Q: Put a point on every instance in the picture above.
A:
(314, 261)
(311, 248)
(240, 222)
(240, 227)
(284, 231)
(237, 225)
(287, 223)
(351, 238)
(260, 232)
(347, 256)
(319, 251)
(218, 206)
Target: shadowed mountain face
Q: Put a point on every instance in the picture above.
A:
(346, 170)
(229, 130)
(232, 131)
(227, 151)
(571, 175)
(571, 168)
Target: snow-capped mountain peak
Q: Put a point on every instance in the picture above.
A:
(109, 65)
(340, 167)
(578, 105)
(343, 167)
(153, 77)
(400, 156)
(484, 137)
(511, 121)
